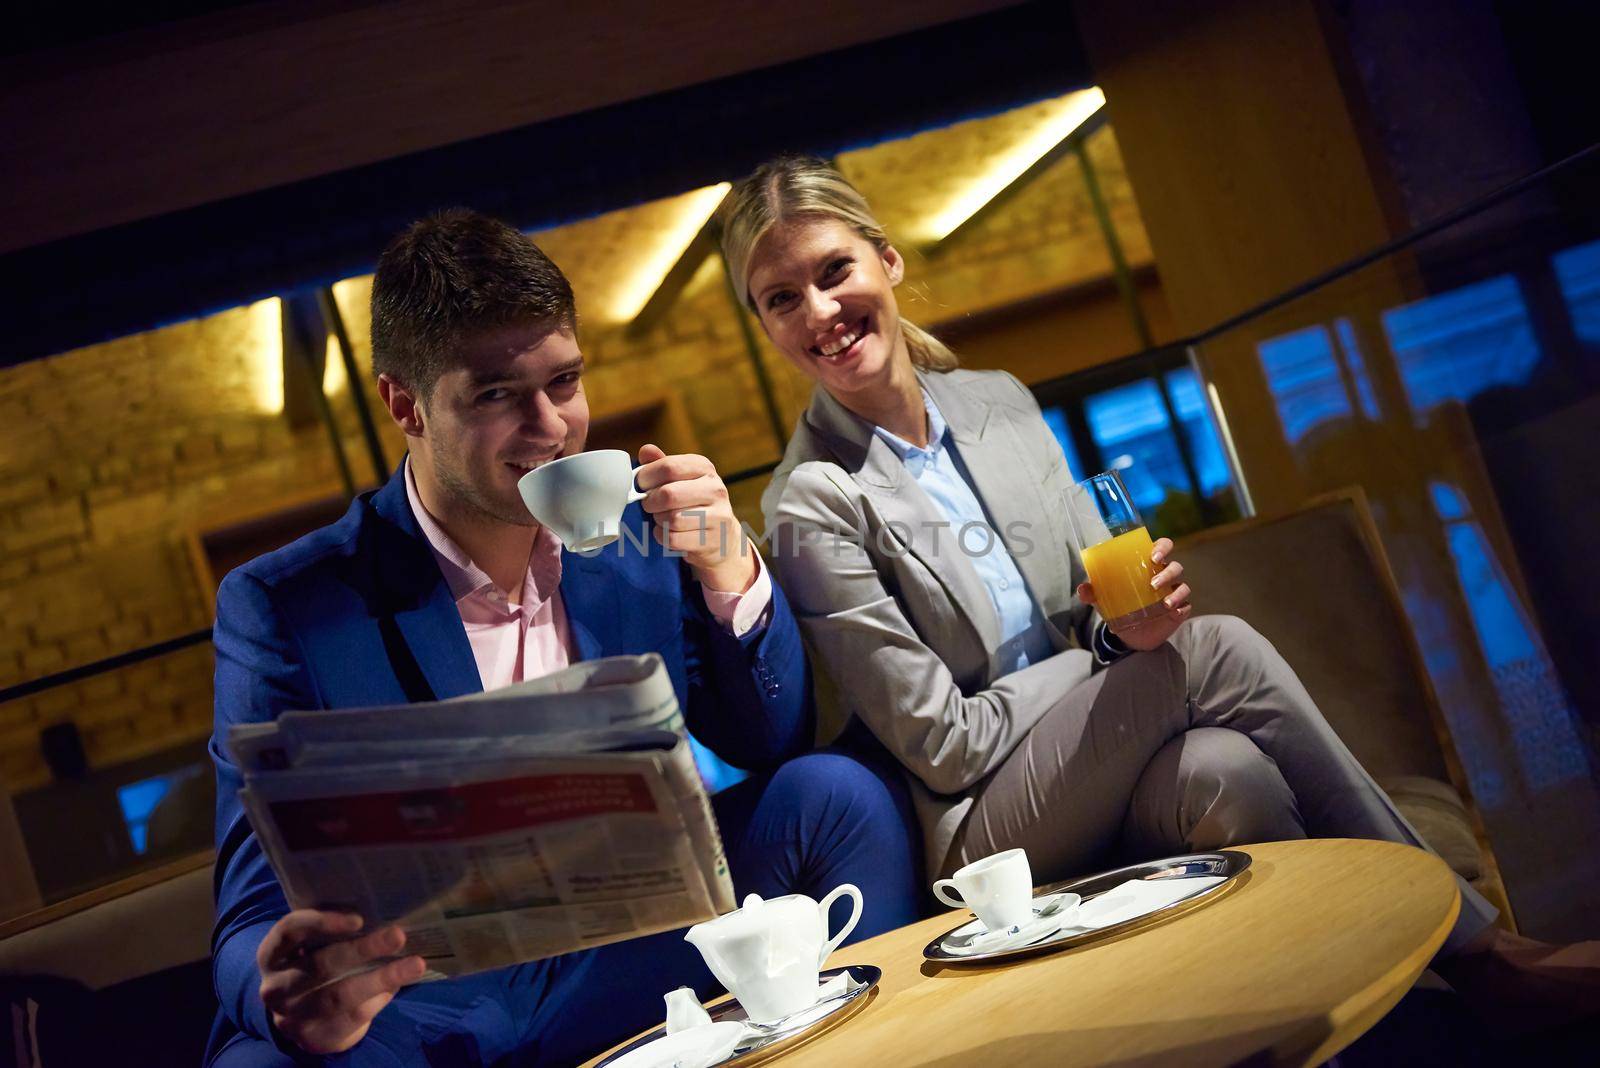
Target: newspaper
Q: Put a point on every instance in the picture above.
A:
(533, 820)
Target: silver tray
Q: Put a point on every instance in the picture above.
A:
(771, 1039)
(1229, 864)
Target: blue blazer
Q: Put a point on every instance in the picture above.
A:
(358, 613)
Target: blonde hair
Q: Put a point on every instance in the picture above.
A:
(802, 186)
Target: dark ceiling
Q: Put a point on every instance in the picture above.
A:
(117, 281)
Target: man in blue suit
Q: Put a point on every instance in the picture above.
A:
(441, 584)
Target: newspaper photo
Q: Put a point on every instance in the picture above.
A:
(541, 818)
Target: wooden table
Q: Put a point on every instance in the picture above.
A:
(1316, 942)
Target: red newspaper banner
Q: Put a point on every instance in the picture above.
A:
(473, 810)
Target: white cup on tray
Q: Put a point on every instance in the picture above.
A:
(998, 888)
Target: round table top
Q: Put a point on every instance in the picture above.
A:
(1314, 944)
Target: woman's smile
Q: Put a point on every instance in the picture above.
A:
(825, 296)
(845, 342)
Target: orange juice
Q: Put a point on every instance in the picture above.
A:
(1120, 571)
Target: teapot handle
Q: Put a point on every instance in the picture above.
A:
(824, 905)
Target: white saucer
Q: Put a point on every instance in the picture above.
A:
(1113, 901)
(842, 991)
(698, 1047)
(1051, 912)
(1137, 898)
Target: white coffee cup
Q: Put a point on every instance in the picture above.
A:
(998, 888)
(769, 953)
(581, 497)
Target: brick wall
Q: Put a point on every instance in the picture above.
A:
(118, 453)
(115, 453)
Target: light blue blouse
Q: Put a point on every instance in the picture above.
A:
(943, 477)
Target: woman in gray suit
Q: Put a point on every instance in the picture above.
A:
(917, 525)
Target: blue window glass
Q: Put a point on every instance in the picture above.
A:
(138, 800)
(1578, 273)
(1535, 705)
(1194, 416)
(1130, 425)
(1056, 419)
(1303, 375)
(1500, 627)
(1345, 331)
(716, 773)
(1448, 502)
(1458, 344)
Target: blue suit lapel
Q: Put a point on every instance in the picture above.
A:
(438, 641)
(589, 594)
(421, 627)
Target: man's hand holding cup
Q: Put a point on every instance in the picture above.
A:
(693, 516)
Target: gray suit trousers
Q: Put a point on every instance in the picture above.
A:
(1208, 741)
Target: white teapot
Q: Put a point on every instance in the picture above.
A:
(768, 953)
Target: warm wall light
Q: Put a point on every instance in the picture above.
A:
(693, 209)
(264, 355)
(352, 295)
(333, 377)
(1005, 167)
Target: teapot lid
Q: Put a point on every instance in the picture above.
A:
(742, 920)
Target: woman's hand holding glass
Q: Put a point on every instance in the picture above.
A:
(1149, 632)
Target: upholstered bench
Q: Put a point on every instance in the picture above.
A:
(118, 976)
(1317, 584)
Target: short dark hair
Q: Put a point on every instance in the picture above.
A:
(453, 274)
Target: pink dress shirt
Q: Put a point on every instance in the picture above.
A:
(514, 642)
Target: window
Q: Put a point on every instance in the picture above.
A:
(1458, 344)
(1536, 705)
(1344, 330)
(1056, 419)
(139, 801)
(1131, 427)
(1200, 434)
(1146, 417)
(1303, 374)
(1578, 273)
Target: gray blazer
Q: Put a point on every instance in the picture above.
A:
(895, 615)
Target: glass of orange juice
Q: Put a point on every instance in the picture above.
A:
(1115, 547)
